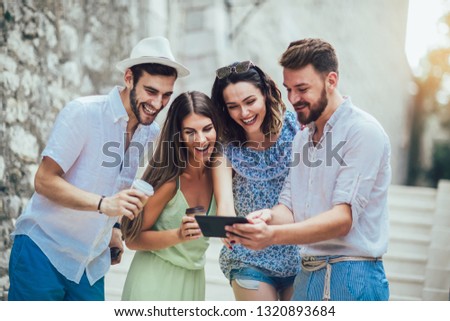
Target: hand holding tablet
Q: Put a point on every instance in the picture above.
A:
(214, 226)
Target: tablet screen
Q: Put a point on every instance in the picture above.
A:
(214, 226)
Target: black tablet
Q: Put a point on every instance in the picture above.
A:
(214, 226)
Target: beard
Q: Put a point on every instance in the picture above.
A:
(135, 107)
(315, 110)
(134, 104)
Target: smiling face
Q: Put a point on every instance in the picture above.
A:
(246, 106)
(199, 136)
(306, 92)
(149, 96)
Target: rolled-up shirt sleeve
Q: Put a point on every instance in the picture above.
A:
(285, 195)
(366, 152)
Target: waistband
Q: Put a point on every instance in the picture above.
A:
(315, 263)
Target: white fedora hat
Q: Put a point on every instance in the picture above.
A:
(152, 50)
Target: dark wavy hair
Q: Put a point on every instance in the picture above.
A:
(171, 156)
(320, 54)
(152, 69)
(275, 108)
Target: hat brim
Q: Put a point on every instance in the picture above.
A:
(123, 65)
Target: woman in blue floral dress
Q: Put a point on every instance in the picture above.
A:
(257, 153)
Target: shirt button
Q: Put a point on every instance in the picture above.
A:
(307, 205)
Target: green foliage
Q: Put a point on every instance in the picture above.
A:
(431, 85)
(8, 16)
(441, 161)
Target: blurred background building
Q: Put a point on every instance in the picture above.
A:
(55, 50)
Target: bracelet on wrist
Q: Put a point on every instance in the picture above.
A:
(100, 204)
(117, 225)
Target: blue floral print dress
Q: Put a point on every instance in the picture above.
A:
(257, 182)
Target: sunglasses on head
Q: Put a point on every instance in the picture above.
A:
(239, 68)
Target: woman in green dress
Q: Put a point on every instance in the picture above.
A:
(170, 250)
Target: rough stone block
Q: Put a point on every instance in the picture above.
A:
(28, 83)
(2, 170)
(7, 63)
(91, 56)
(71, 73)
(50, 34)
(13, 206)
(23, 50)
(52, 63)
(16, 110)
(31, 172)
(69, 39)
(23, 143)
(2, 211)
(10, 82)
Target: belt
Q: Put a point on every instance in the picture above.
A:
(311, 264)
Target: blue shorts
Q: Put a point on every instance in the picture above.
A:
(350, 281)
(254, 274)
(33, 278)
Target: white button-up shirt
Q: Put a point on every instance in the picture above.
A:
(88, 142)
(349, 165)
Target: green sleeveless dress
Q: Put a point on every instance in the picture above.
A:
(171, 274)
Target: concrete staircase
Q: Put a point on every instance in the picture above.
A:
(417, 262)
(411, 212)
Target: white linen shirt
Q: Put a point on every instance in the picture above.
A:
(88, 142)
(358, 174)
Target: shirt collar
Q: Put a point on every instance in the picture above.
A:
(118, 109)
(340, 112)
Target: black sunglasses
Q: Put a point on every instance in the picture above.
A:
(239, 68)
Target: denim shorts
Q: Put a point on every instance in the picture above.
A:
(258, 275)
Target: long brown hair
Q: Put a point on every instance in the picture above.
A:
(275, 107)
(171, 156)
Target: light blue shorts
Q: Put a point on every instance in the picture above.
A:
(33, 278)
(350, 281)
(249, 278)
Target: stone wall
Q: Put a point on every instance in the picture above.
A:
(53, 51)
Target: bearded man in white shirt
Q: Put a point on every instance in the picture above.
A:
(334, 201)
(62, 240)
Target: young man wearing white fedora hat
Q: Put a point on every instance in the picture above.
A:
(62, 239)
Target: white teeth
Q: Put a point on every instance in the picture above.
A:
(202, 149)
(149, 110)
(249, 120)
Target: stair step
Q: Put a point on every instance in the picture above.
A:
(406, 257)
(406, 285)
(405, 220)
(395, 297)
(419, 230)
(405, 278)
(410, 237)
(411, 192)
